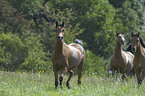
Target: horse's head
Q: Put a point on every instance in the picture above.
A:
(120, 38)
(60, 31)
(134, 42)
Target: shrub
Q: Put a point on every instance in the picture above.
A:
(12, 51)
(95, 64)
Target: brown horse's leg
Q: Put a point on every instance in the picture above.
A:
(56, 78)
(80, 69)
(138, 76)
(61, 76)
(123, 73)
(142, 74)
(70, 75)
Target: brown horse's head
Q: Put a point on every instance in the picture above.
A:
(134, 42)
(120, 38)
(60, 31)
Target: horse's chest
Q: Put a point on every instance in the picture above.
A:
(118, 61)
(139, 62)
(60, 61)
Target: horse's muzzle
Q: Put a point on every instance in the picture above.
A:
(122, 42)
(59, 38)
(133, 49)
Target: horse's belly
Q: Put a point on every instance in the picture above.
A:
(74, 62)
(75, 57)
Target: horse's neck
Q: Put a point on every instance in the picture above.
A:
(139, 50)
(59, 47)
(142, 42)
(118, 49)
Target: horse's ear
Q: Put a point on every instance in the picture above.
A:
(62, 24)
(117, 33)
(131, 34)
(56, 24)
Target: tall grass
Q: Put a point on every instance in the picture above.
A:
(41, 84)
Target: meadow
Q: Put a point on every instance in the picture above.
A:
(42, 84)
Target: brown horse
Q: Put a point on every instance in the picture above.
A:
(121, 61)
(66, 57)
(139, 58)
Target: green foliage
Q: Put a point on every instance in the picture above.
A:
(99, 30)
(36, 59)
(117, 3)
(12, 51)
(29, 7)
(138, 6)
(95, 64)
(11, 20)
(27, 30)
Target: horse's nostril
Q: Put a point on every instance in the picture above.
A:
(122, 42)
(133, 49)
(60, 38)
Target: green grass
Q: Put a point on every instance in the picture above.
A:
(28, 84)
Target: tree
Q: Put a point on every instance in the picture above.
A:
(11, 20)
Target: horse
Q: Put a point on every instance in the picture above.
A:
(139, 57)
(121, 61)
(141, 41)
(66, 57)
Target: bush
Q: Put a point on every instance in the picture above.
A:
(12, 51)
(37, 59)
(27, 54)
(95, 64)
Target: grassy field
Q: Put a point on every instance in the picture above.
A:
(28, 84)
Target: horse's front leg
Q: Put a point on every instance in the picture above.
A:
(123, 73)
(61, 76)
(56, 78)
(142, 75)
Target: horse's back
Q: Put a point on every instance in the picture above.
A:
(78, 46)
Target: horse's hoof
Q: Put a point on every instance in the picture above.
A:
(139, 82)
(79, 82)
(68, 87)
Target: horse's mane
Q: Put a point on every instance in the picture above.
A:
(142, 41)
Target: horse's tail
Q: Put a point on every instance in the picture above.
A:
(79, 42)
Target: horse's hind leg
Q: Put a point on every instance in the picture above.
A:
(71, 74)
(123, 71)
(61, 76)
(80, 70)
